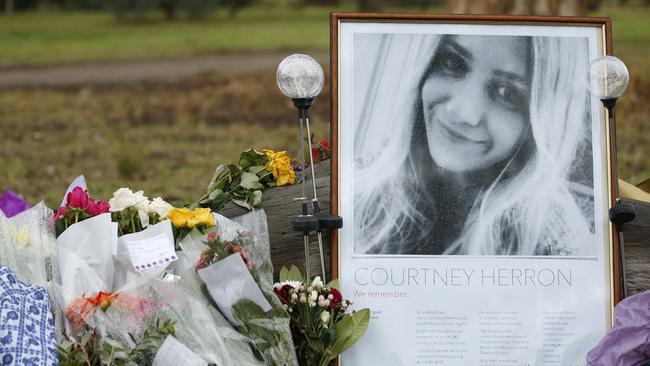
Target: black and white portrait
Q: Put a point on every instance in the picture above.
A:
(472, 145)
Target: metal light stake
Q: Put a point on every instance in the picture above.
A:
(608, 79)
(301, 78)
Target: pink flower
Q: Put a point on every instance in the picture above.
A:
(60, 213)
(78, 198)
(97, 208)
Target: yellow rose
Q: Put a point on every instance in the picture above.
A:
(179, 216)
(202, 217)
(280, 166)
(183, 217)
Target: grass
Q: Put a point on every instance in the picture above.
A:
(36, 38)
(164, 138)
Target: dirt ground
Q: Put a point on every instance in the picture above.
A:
(137, 71)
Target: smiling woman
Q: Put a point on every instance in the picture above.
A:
(488, 150)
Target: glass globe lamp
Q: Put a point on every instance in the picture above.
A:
(608, 78)
(300, 77)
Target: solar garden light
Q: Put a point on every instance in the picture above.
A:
(608, 79)
(301, 78)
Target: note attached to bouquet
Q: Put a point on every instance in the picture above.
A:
(151, 252)
(173, 353)
(229, 281)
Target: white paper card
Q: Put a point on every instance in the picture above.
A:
(151, 252)
(229, 281)
(174, 353)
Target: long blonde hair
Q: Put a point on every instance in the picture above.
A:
(533, 204)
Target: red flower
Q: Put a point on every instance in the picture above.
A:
(315, 155)
(337, 298)
(326, 145)
(283, 293)
(78, 198)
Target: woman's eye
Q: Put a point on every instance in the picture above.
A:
(508, 95)
(448, 63)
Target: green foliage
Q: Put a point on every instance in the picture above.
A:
(241, 183)
(290, 274)
(269, 340)
(89, 349)
(348, 331)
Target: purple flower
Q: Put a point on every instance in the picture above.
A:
(12, 204)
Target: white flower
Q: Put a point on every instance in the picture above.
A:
(144, 218)
(325, 317)
(294, 284)
(160, 207)
(303, 298)
(141, 202)
(317, 283)
(313, 296)
(122, 198)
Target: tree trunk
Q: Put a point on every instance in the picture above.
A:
(519, 7)
(9, 7)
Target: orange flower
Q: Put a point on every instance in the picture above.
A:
(103, 300)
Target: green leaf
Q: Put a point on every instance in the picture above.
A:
(243, 203)
(256, 169)
(257, 197)
(250, 181)
(284, 274)
(349, 330)
(334, 284)
(252, 157)
(294, 274)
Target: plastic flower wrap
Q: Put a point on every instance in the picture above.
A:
(238, 275)
(321, 327)
(28, 247)
(133, 211)
(134, 324)
(628, 341)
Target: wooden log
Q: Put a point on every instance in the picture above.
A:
(281, 206)
(637, 248)
(287, 245)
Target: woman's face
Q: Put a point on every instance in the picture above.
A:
(475, 100)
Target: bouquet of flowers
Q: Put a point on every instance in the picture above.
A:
(91, 344)
(187, 221)
(239, 284)
(79, 206)
(243, 183)
(321, 327)
(133, 211)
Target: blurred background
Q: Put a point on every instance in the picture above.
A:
(154, 94)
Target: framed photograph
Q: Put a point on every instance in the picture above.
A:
(472, 169)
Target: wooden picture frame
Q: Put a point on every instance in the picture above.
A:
(404, 70)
